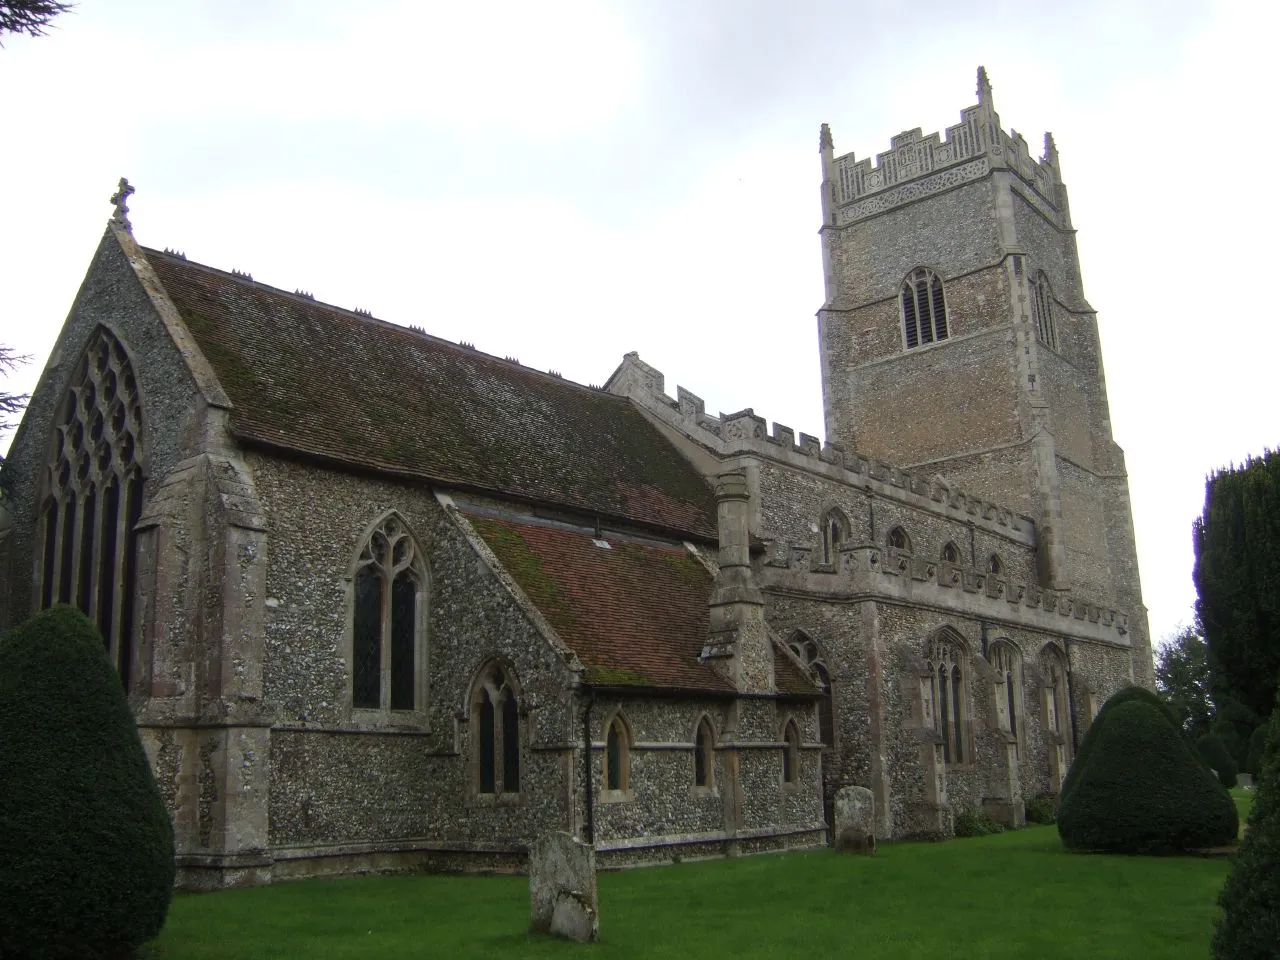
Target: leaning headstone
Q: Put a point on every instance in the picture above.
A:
(854, 815)
(562, 888)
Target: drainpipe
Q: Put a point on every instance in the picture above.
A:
(586, 764)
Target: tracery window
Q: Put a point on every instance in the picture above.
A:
(1057, 708)
(835, 532)
(1006, 665)
(790, 753)
(495, 718)
(947, 690)
(704, 755)
(1042, 311)
(387, 648)
(617, 757)
(924, 309)
(94, 485)
(810, 654)
(899, 540)
(951, 554)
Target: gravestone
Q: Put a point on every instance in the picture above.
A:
(562, 888)
(854, 816)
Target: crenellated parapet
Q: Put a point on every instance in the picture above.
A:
(917, 164)
(745, 433)
(873, 570)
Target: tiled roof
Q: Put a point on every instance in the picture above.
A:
(636, 614)
(326, 382)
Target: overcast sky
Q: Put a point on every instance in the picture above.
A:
(565, 181)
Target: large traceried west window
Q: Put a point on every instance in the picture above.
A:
(94, 486)
(924, 308)
(495, 722)
(386, 621)
(948, 693)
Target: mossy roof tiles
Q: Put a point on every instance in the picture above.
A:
(321, 381)
(636, 614)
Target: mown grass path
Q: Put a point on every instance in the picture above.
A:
(1014, 895)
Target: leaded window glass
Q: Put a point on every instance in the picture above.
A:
(89, 544)
(947, 689)
(924, 309)
(386, 646)
(496, 722)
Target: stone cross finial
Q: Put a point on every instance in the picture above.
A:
(121, 199)
(824, 138)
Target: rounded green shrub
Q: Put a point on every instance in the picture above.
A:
(1257, 744)
(1040, 809)
(976, 823)
(1214, 752)
(1124, 695)
(1250, 924)
(1143, 790)
(86, 844)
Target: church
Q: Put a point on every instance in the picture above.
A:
(381, 601)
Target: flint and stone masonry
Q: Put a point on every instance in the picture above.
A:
(384, 602)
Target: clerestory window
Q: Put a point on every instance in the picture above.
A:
(899, 540)
(94, 482)
(387, 634)
(835, 533)
(951, 554)
(924, 308)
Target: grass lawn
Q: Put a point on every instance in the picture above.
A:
(1244, 802)
(1015, 895)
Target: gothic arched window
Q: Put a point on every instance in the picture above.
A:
(808, 652)
(951, 554)
(617, 757)
(835, 533)
(924, 309)
(1006, 665)
(791, 753)
(704, 755)
(495, 720)
(995, 566)
(386, 620)
(1057, 705)
(94, 486)
(899, 540)
(947, 687)
(1042, 311)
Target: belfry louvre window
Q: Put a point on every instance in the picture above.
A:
(1042, 311)
(385, 656)
(94, 482)
(924, 309)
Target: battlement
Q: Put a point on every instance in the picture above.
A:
(971, 148)
(870, 568)
(745, 432)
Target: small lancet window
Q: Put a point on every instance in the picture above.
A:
(924, 309)
(835, 533)
(899, 540)
(1042, 311)
(703, 755)
(951, 554)
(495, 717)
(385, 630)
(995, 566)
(95, 485)
(791, 753)
(617, 757)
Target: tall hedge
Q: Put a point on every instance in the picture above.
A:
(1257, 750)
(1249, 928)
(1143, 790)
(1214, 753)
(86, 844)
(1085, 749)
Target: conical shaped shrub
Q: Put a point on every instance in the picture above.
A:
(1250, 925)
(86, 844)
(1143, 790)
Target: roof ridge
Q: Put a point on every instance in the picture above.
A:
(362, 315)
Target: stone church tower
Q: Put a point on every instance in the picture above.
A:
(956, 340)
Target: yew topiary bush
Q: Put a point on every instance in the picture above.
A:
(1143, 790)
(1214, 752)
(1250, 925)
(86, 845)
